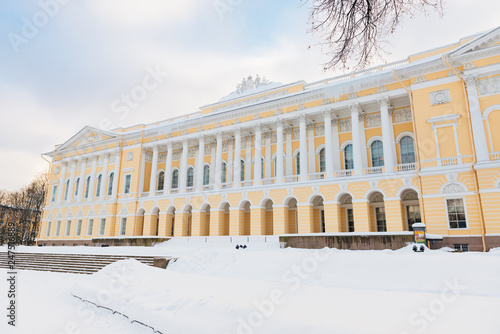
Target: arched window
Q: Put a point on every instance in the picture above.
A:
(242, 171)
(98, 189)
(223, 177)
(407, 150)
(66, 191)
(175, 179)
(77, 185)
(348, 160)
(110, 183)
(206, 175)
(297, 163)
(190, 177)
(322, 161)
(87, 186)
(161, 181)
(377, 154)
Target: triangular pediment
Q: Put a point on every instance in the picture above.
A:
(483, 41)
(88, 135)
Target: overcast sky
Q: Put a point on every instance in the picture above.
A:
(73, 68)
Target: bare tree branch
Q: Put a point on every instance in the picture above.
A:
(354, 30)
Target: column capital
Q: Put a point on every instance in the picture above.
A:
(267, 134)
(470, 80)
(355, 108)
(257, 127)
(278, 122)
(310, 126)
(237, 130)
(288, 129)
(302, 117)
(335, 120)
(201, 138)
(384, 102)
(327, 113)
(185, 141)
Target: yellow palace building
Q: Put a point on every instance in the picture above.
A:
(371, 151)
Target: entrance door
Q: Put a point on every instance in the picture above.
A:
(380, 216)
(322, 220)
(413, 215)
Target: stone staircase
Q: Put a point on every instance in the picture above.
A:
(73, 263)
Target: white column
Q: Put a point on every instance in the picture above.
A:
(478, 132)
(358, 147)
(327, 115)
(143, 167)
(183, 171)
(117, 174)
(248, 158)
(73, 167)
(168, 169)
(387, 135)
(82, 179)
(279, 150)
(311, 149)
(218, 160)
(61, 182)
(257, 167)
(289, 151)
(337, 165)
(104, 177)
(237, 157)
(303, 147)
(154, 169)
(92, 177)
(229, 169)
(268, 157)
(200, 163)
(212, 162)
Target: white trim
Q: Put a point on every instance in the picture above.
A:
(404, 134)
(288, 198)
(344, 145)
(373, 139)
(405, 188)
(448, 214)
(320, 147)
(450, 183)
(469, 193)
(489, 110)
(371, 191)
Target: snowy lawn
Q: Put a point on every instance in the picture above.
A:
(216, 289)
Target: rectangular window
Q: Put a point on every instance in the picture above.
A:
(322, 220)
(127, 184)
(350, 220)
(102, 225)
(58, 228)
(461, 247)
(456, 213)
(90, 226)
(68, 227)
(78, 227)
(54, 192)
(380, 216)
(123, 226)
(48, 228)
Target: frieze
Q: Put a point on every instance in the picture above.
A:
(345, 125)
(373, 120)
(489, 86)
(402, 115)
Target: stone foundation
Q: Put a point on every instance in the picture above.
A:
(352, 242)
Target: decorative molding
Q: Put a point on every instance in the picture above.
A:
(149, 156)
(489, 86)
(373, 120)
(469, 66)
(162, 157)
(302, 117)
(278, 112)
(352, 96)
(420, 79)
(320, 130)
(410, 196)
(377, 198)
(381, 89)
(130, 156)
(440, 97)
(402, 115)
(326, 101)
(300, 107)
(296, 134)
(453, 188)
(345, 125)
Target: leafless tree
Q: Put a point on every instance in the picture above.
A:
(354, 31)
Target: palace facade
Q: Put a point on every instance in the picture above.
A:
(371, 151)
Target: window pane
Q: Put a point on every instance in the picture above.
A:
(407, 150)
(377, 154)
(110, 184)
(242, 171)
(349, 163)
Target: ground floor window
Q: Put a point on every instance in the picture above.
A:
(58, 228)
(102, 225)
(413, 215)
(380, 216)
(322, 220)
(456, 213)
(123, 226)
(90, 226)
(48, 228)
(78, 227)
(461, 247)
(350, 220)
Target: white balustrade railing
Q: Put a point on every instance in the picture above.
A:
(293, 178)
(227, 185)
(247, 183)
(344, 173)
(270, 180)
(145, 194)
(406, 167)
(317, 176)
(190, 189)
(374, 170)
(174, 191)
(495, 156)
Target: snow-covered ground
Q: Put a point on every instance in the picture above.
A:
(214, 288)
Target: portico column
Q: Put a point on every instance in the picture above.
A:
(267, 165)
(229, 169)
(289, 151)
(116, 175)
(387, 135)
(337, 165)
(311, 149)
(154, 169)
(248, 158)
(104, 177)
(200, 163)
(61, 182)
(168, 169)
(357, 145)
(303, 147)
(92, 176)
(478, 132)
(82, 179)
(327, 115)
(143, 167)
(237, 157)
(183, 172)
(73, 166)
(212, 162)
(218, 160)
(279, 150)
(257, 167)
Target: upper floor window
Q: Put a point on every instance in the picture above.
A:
(128, 179)
(206, 175)
(456, 213)
(322, 161)
(66, 191)
(242, 171)
(98, 189)
(87, 187)
(190, 177)
(77, 185)
(297, 163)
(407, 150)
(348, 159)
(175, 179)
(377, 154)
(161, 181)
(223, 177)
(54, 192)
(110, 183)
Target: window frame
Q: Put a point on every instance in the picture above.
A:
(401, 145)
(351, 160)
(380, 158)
(467, 227)
(111, 179)
(67, 229)
(127, 181)
(54, 193)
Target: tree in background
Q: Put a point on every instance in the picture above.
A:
(356, 29)
(23, 208)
